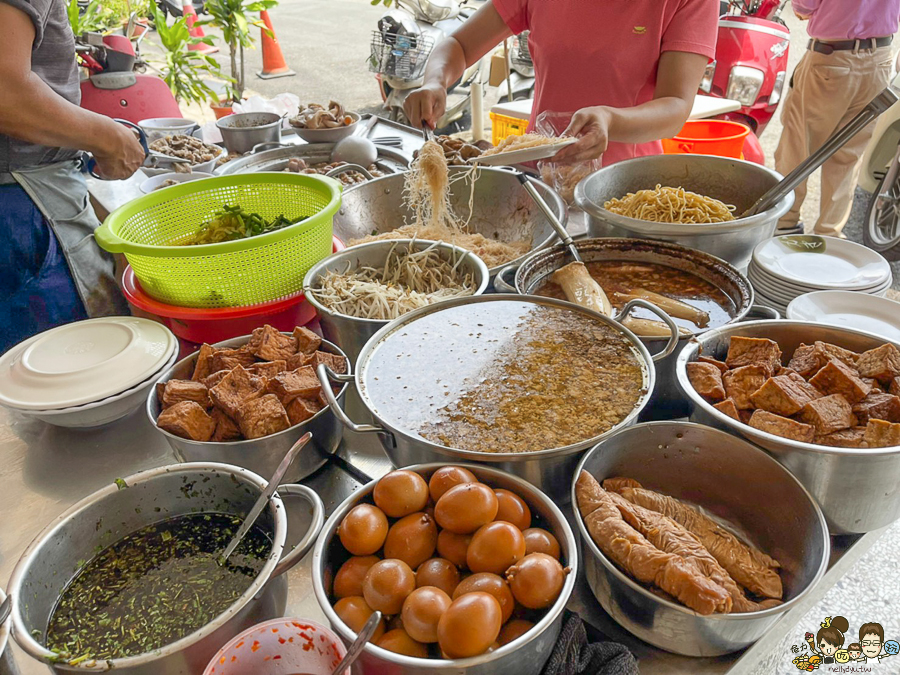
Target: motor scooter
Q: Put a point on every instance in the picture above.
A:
(174, 7)
(750, 65)
(402, 43)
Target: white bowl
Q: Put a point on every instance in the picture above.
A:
(159, 127)
(849, 309)
(328, 135)
(154, 183)
(204, 167)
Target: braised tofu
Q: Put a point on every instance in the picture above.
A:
(337, 363)
(228, 359)
(263, 416)
(301, 409)
(269, 344)
(878, 406)
(744, 351)
(215, 378)
(203, 365)
(882, 363)
(298, 360)
(268, 369)
(874, 385)
(187, 419)
(782, 426)
(307, 341)
(706, 379)
(782, 395)
(845, 438)
(300, 383)
(729, 408)
(807, 360)
(718, 364)
(745, 415)
(836, 377)
(236, 388)
(828, 414)
(226, 428)
(741, 382)
(881, 434)
(177, 391)
(894, 387)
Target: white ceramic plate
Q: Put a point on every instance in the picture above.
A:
(83, 362)
(775, 290)
(869, 313)
(524, 155)
(788, 290)
(154, 183)
(822, 262)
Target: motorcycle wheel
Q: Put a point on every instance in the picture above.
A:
(882, 227)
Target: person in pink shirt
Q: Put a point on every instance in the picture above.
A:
(628, 69)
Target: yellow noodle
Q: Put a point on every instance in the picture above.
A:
(671, 205)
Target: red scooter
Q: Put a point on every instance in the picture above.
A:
(751, 65)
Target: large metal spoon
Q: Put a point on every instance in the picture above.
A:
(368, 630)
(264, 497)
(5, 609)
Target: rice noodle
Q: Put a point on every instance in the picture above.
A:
(409, 280)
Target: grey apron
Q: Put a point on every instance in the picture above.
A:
(60, 193)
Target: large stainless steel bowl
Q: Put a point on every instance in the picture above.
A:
(537, 268)
(733, 181)
(857, 488)
(7, 664)
(111, 513)
(731, 479)
(501, 208)
(278, 158)
(260, 455)
(551, 469)
(524, 656)
(351, 333)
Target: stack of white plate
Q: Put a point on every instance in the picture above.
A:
(783, 268)
(88, 373)
(868, 313)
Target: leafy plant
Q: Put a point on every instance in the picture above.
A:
(92, 20)
(183, 69)
(232, 18)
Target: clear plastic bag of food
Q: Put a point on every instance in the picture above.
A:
(562, 177)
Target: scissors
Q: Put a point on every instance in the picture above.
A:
(89, 164)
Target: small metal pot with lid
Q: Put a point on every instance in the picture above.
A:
(415, 370)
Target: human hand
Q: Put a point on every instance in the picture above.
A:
(591, 127)
(802, 17)
(426, 105)
(120, 155)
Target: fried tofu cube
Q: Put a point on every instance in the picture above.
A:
(298, 360)
(706, 379)
(729, 408)
(874, 385)
(782, 426)
(881, 434)
(160, 390)
(226, 428)
(807, 360)
(745, 415)
(228, 359)
(845, 438)
(307, 341)
(746, 351)
(215, 378)
(263, 416)
(882, 363)
(782, 395)
(334, 361)
(235, 389)
(836, 377)
(268, 369)
(718, 364)
(177, 391)
(301, 409)
(203, 366)
(187, 419)
(828, 414)
(878, 406)
(894, 387)
(270, 345)
(741, 382)
(300, 383)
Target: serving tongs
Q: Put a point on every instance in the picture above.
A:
(835, 142)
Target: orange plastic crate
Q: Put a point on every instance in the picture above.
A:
(504, 125)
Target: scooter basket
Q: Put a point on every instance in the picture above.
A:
(400, 56)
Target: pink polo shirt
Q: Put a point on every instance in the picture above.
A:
(606, 52)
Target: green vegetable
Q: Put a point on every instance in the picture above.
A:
(233, 222)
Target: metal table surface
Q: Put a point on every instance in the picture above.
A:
(45, 469)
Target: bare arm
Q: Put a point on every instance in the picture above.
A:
(31, 111)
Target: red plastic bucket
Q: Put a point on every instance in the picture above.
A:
(708, 137)
(217, 324)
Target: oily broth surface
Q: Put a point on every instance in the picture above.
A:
(504, 376)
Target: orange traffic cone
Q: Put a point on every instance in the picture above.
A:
(190, 16)
(273, 60)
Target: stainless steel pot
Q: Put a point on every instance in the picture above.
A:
(260, 455)
(523, 656)
(857, 488)
(501, 208)
(109, 514)
(536, 269)
(277, 159)
(351, 333)
(240, 132)
(550, 470)
(731, 479)
(733, 181)
(7, 664)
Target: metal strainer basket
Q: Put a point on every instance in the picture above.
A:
(229, 274)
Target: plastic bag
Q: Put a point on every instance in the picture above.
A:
(562, 177)
(286, 105)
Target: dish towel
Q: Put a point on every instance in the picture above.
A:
(574, 655)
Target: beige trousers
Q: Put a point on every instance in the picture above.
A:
(828, 91)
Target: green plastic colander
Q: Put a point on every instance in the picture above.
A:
(230, 274)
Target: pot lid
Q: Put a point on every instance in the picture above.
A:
(504, 374)
(83, 362)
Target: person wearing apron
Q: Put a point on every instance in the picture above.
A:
(51, 270)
